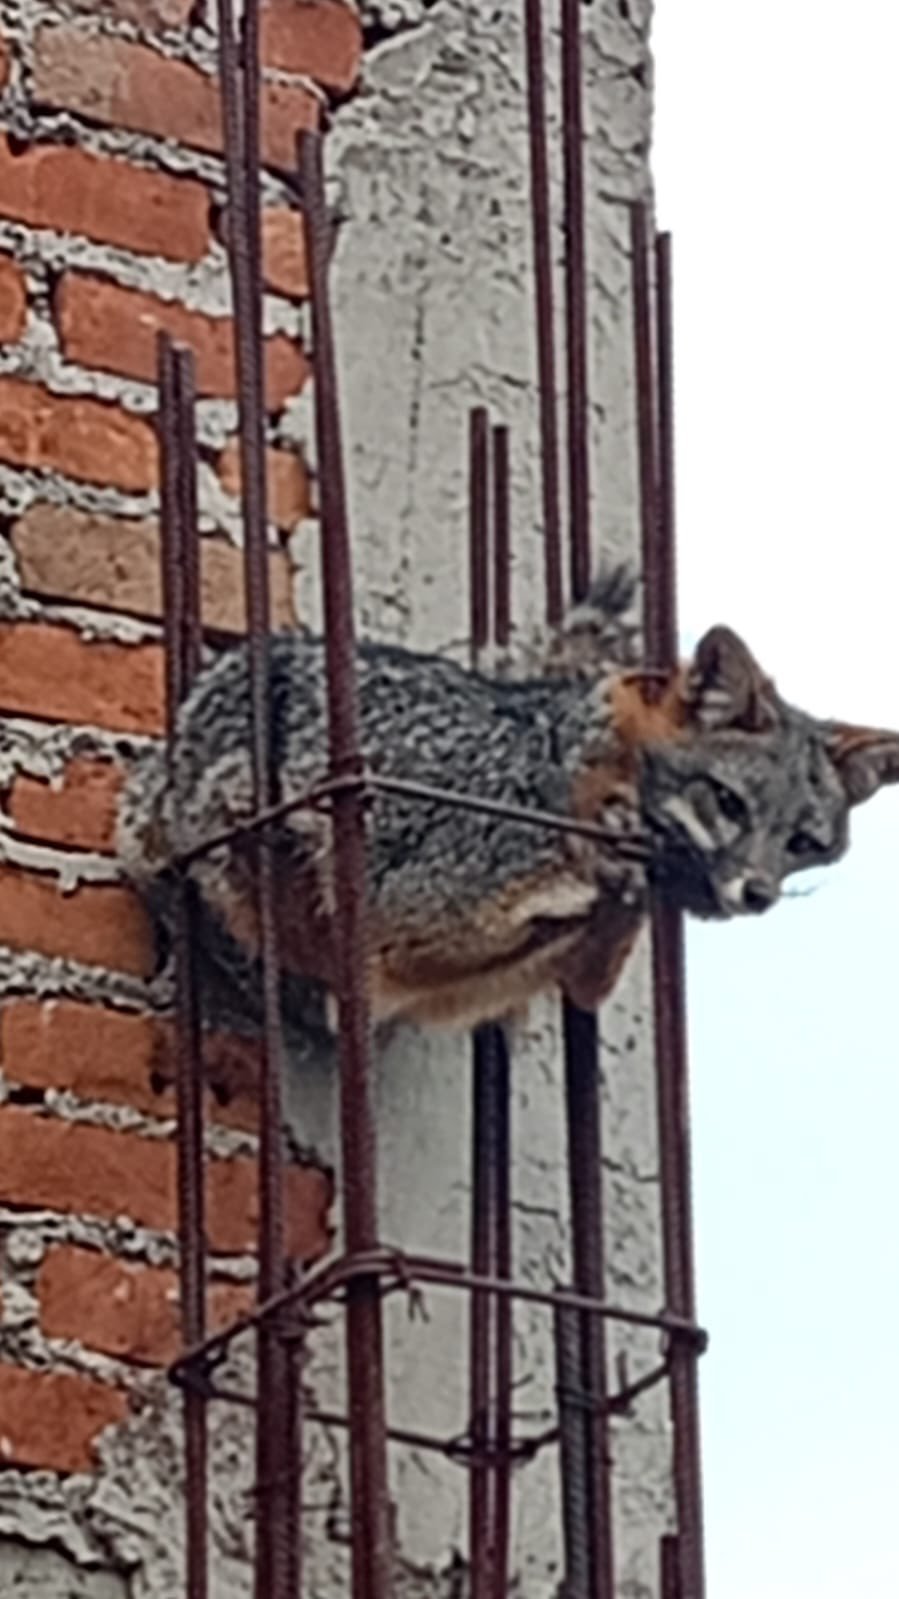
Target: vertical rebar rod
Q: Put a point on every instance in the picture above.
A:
(490, 1325)
(666, 601)
(490, 1318)
(503, 1375)
(582, 1106)
(277, 1443)
(179, 559)
(480, 1486)
(669, 1568)
(372, 1561)
(656, 442)
(478, 528)
(576, 336)
(655, 571)
(580, 1030)
(674, 1141)
(499, 1108)
(502, 548)
(541, 224)
(573, 1464)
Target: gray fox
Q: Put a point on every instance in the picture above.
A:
(725, 787)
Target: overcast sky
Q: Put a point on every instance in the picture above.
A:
(775, 159)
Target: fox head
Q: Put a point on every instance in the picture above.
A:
(750, 790)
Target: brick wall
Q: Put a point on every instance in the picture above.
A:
(111, 219)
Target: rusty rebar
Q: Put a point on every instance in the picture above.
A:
(541, 225)
(490, 1327)
(179, 560)
(669, 1568)
(656, 444)
(503, 1348)
(576, 322)
(490, 1319)
(502, 536)
(582, 1110)
(573, 1463)
(580, 1031)
(656, 573)
(478, 528)
(402, 1271)
(179, 549)
(277, 1443)
(458, 1447)
(480, 1486)
(666, 600)
(496, 1096)
(675, 1166)
(372, 1559)
(370, 784)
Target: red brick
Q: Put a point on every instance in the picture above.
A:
(289, 496)
(130, 1312)
(90, 440)
(146, 13)
(80, 813)
(54, 674)
(51, 1420)
(103, 324)
(97, 1171)
(231, 1067)
(284, 252)
(122, 1058)
(113, 563)
(100, 924)
(321, 38)
(126, 85)
(72, 191)
(13, 300)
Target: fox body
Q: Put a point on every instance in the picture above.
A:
(727, 789)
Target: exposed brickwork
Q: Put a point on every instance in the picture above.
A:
(322, 38)
(52, 1419)
(130, 1312)
(73, 191)
(51, 672)
(284, 252)
(133, 240)
(102, 324)
(97, 1171)
(12, 300)
(289, 496)
(113, 562)
(78, 813)
(121, 1058)
(113, 81)
(100, 924)
(86, 439)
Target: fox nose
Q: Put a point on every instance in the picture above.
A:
(759, 893)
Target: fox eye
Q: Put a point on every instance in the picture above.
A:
(803, 844)
(729, 804)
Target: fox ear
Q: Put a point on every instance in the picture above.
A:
(726, 686)
(865, 757)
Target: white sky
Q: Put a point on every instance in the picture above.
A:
(775, 158)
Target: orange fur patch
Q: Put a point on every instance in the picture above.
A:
(640, 717)
(593, 787)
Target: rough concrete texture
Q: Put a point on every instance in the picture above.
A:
(432, 284)
(30, 1573)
